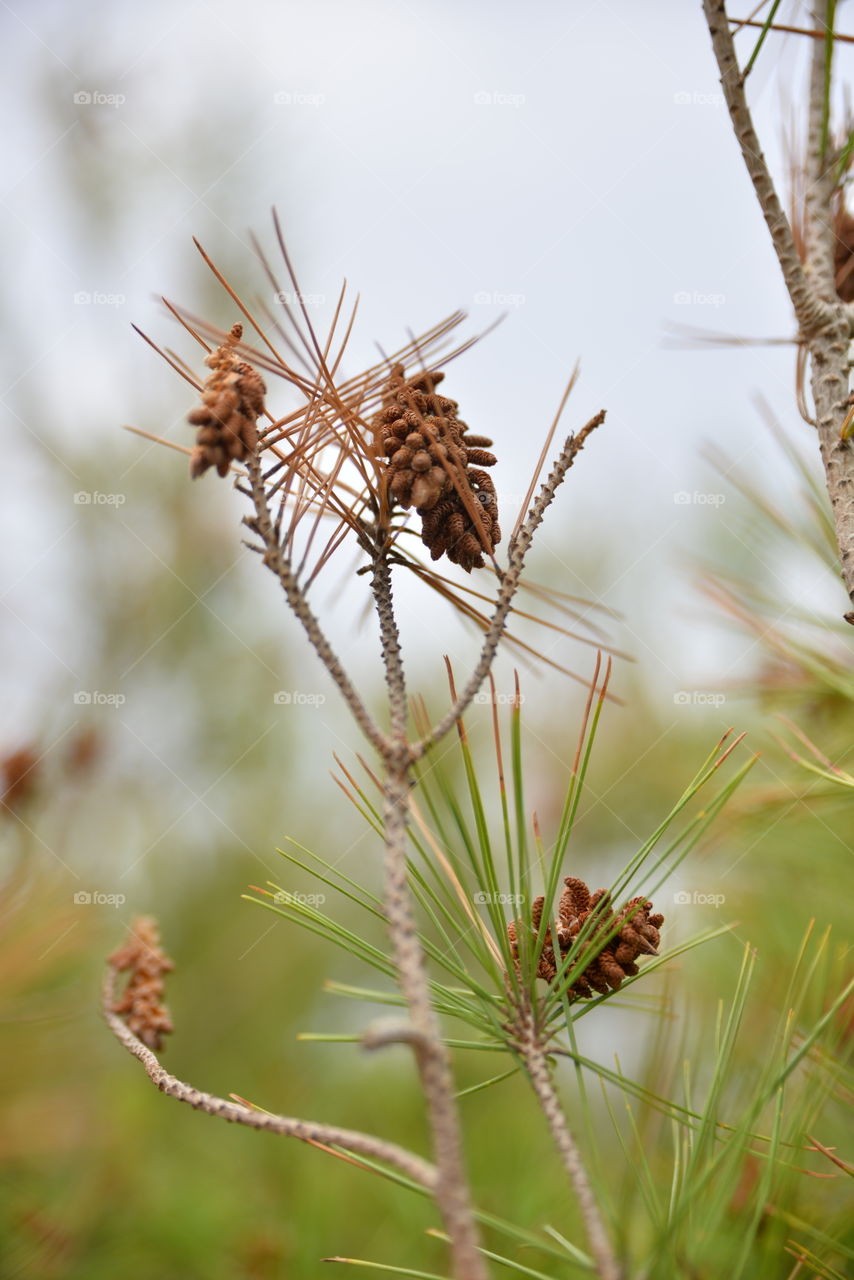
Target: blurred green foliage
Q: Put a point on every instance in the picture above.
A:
(101, 1176)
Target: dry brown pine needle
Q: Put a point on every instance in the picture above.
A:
(232, 402)
(637, 933)
(142, 1005)
(431, 461)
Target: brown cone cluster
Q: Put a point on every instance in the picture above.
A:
(431, 458)
(637, 933)
(142, 1005)
(232, 402)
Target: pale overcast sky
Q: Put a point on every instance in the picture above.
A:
(571, 164)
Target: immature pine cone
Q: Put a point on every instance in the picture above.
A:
(425, 443)
(142, 1005)
(232, 402)
(616, 960)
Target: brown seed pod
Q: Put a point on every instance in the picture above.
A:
(431, 461)
(232, 402)
(142, 1005)
(634, 932)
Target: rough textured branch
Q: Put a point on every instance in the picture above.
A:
(529, 1045)
(431, 1056)
(819, 183)
(510, 582)
(826, 323)
(287, 1126)
(812, 312)
(423, 1032)
(390, 641)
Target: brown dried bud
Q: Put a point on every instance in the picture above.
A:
(232, 402)
(429, 458)
(142, 1005)
(634, 932)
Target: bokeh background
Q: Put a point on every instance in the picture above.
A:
(571, 166)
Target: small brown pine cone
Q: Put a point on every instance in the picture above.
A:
(546, 967)
(429, 459)
(232, 403)
(609, 964)
(141, 1004)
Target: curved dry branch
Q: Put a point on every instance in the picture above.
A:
(363, 1144)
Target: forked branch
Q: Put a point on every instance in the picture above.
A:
(826, 323)
(334, 418)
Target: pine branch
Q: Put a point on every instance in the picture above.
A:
(390, 641)
(826, 324)
(529, 1045)
(425, 1033)
(364, 1144)
(812, 312)
(431, 1056)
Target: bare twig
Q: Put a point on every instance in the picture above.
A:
(792, 31)
(529, 1045)
(424, 1032)
(811, 312)
(364, 1144)
(390, 641)
(826, 324)
(510, 582)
